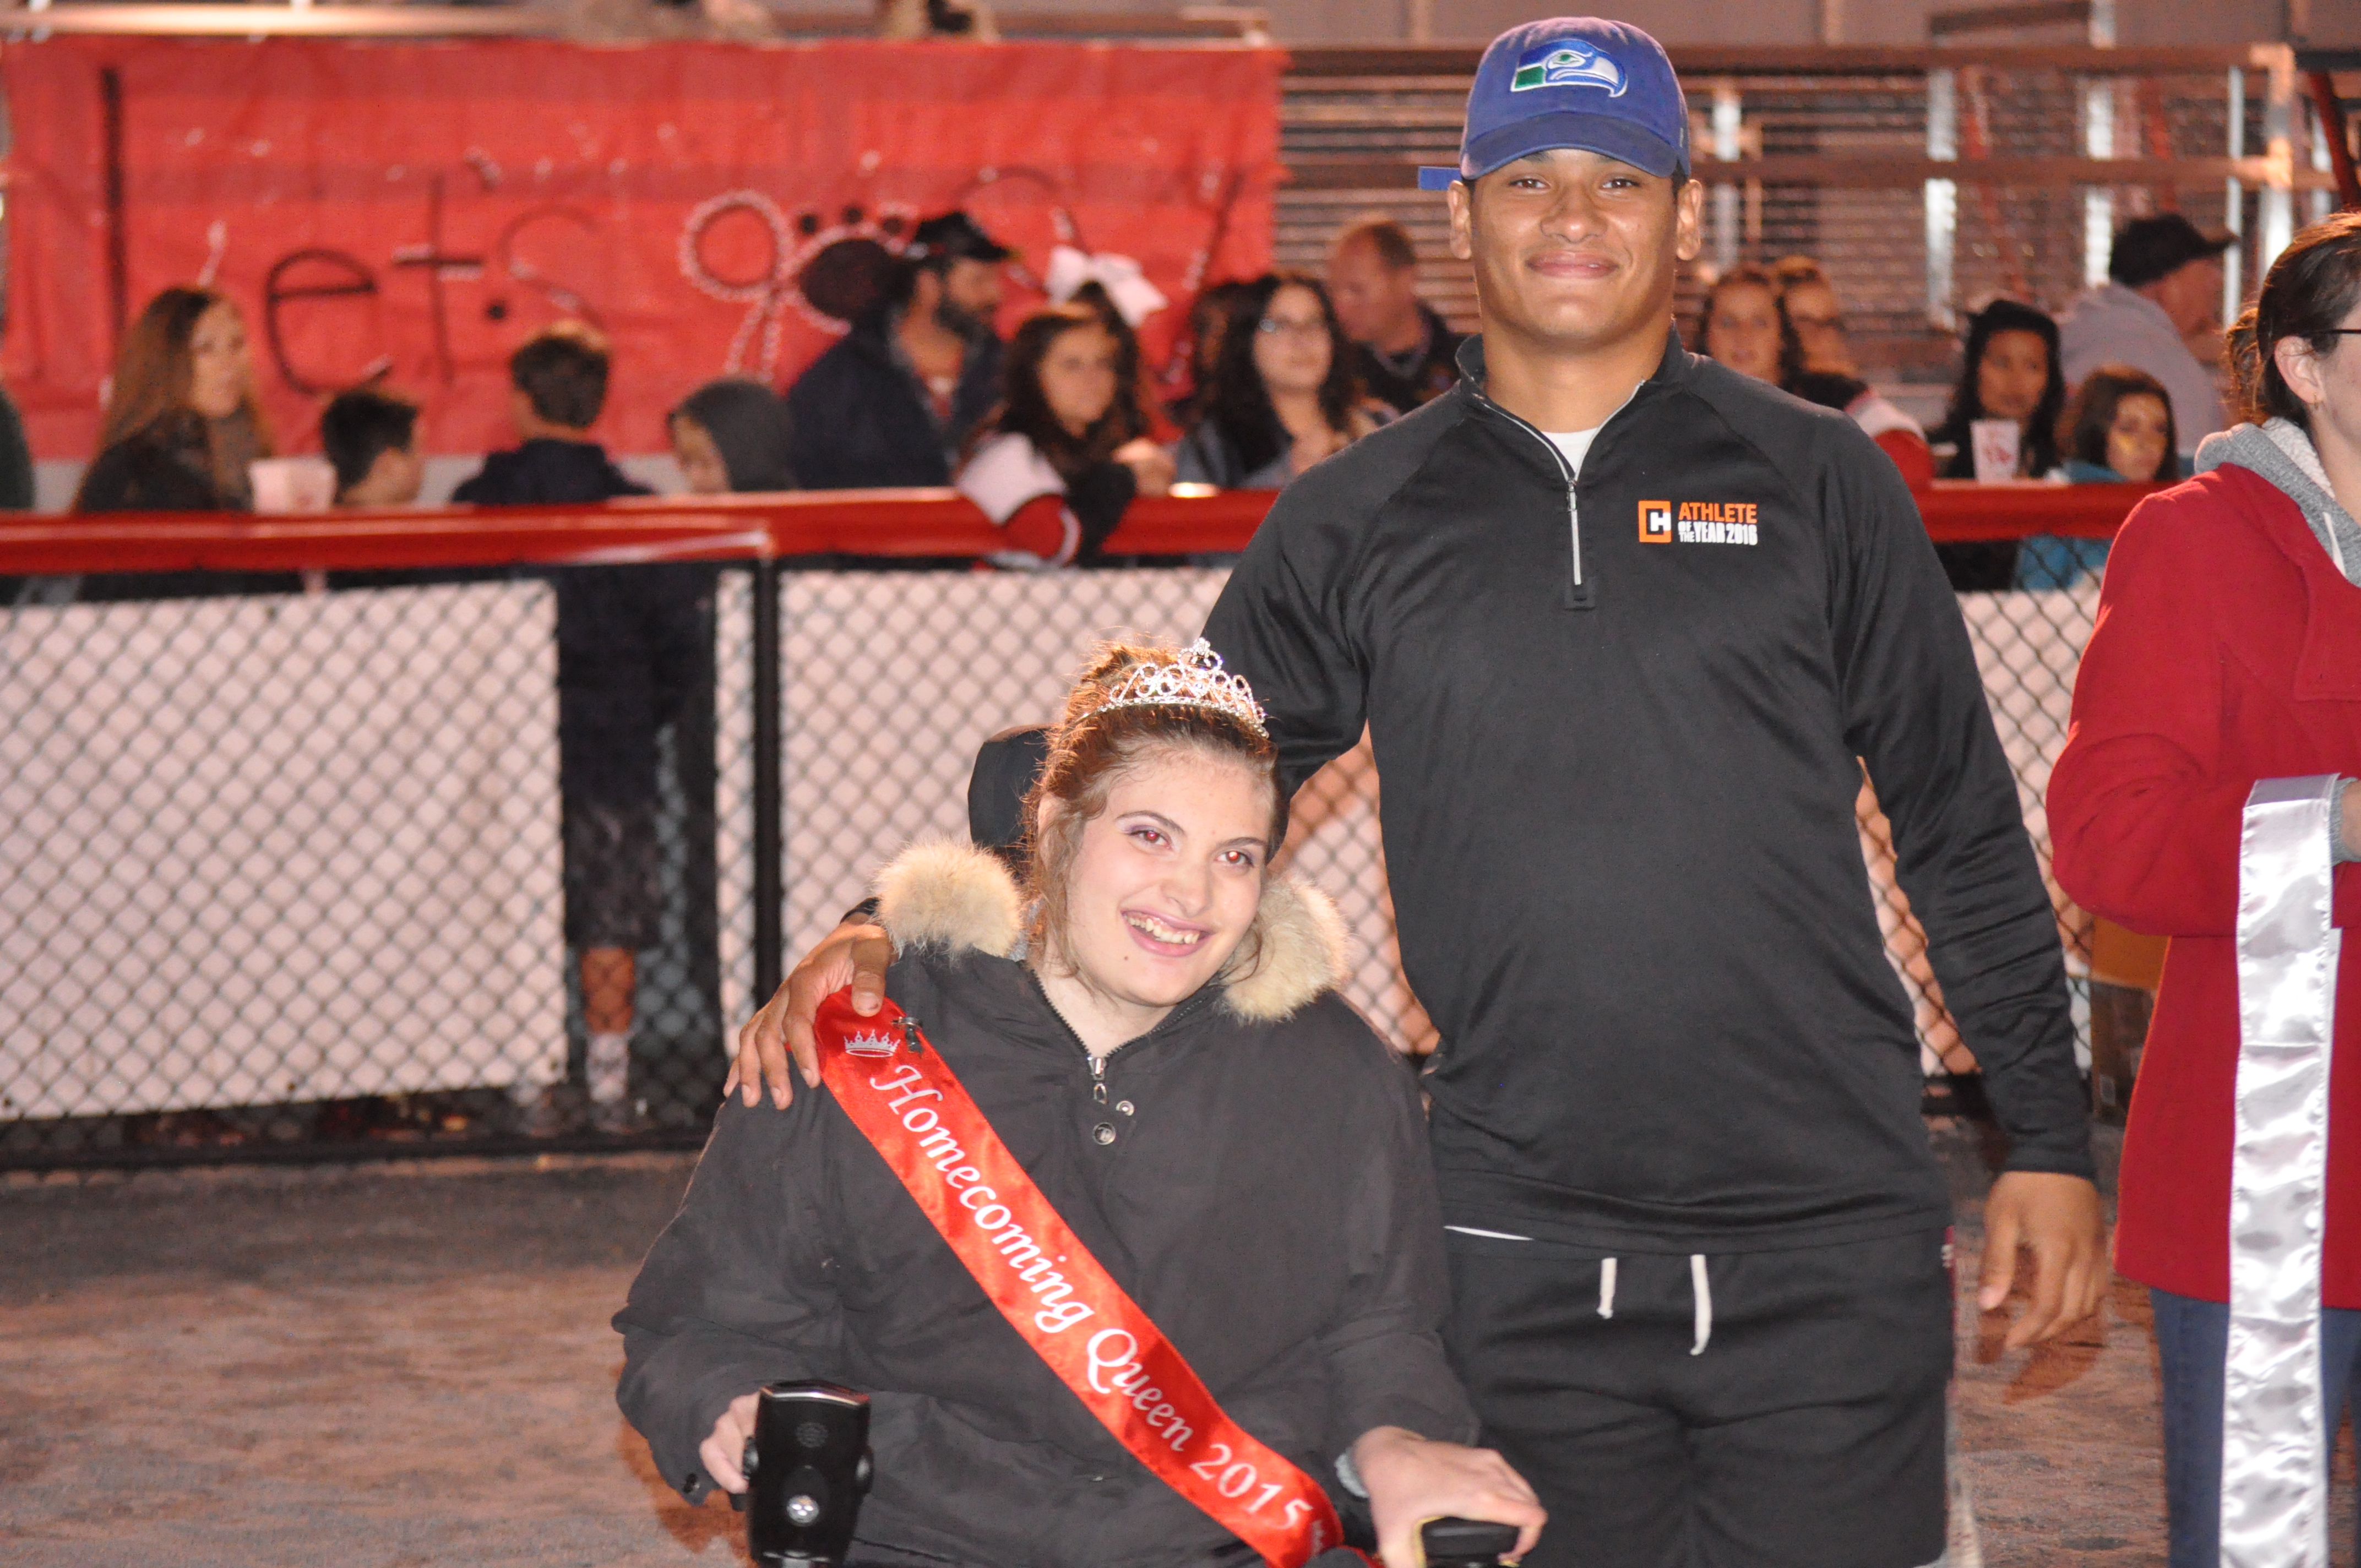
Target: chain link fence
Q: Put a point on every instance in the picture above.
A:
(287, 875)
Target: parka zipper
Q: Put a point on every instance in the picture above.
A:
(1579, 595)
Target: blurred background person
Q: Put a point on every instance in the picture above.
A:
(1283, 394)
(15, 458)
(626, 652)
(893, 402)
(1816, 314)
(1061, 457)
(181, 420)
(1743, 325)
(1131, 363)
(1191, 371)
(732, 435)
(2010, 371)
(2118, 430)
(2163, 288)
(1403, 351)
(557, 387)
(370, 437)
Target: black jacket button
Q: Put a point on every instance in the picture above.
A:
(1103, 1134)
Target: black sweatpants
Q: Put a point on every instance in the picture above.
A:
(1791, 1417)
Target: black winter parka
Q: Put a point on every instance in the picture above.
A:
(1253, 1172)
(1620, 719)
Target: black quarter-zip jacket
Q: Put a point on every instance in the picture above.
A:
(1618, 720)
(1261, 1188)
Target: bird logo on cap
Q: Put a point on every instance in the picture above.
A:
(1568, 62)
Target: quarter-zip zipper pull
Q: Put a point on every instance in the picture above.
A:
(1098, 1079)
(1579, 595)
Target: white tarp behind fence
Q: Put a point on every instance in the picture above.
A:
(283, 848)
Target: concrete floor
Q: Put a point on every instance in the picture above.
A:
(399, 1365)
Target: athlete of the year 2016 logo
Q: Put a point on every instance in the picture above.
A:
(1699, 522)
(1569, 62)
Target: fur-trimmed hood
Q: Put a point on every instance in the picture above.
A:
(959, 898)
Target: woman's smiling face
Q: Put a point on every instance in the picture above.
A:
(1166, 879)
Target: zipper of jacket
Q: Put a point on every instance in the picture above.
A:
(1098, 1063)
(1579, 595)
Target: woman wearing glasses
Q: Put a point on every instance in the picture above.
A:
(1283, 394)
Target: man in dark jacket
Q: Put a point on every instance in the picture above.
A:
(892, 404)
(1622, 626)
(634, 655)
(1404, 352)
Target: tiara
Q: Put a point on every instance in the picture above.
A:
(1193, 678)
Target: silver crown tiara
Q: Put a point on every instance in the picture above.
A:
(1193, 678)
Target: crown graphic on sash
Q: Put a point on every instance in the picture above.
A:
(1192, 678)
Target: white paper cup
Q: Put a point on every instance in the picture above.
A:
(1993, 441)
(292, 484)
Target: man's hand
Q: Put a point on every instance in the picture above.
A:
(853, 955)
(724, 1450)
(1412, 1480)
(2058, 1220)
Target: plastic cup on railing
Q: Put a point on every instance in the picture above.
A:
(292, 484)
(1993, 441)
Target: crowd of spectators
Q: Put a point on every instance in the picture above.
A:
(1052, 434)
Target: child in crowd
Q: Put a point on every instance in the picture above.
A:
(633, 644)
(370, 436)
(2118, 430)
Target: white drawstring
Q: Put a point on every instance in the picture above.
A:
(1703, 1291)
(1607, 1287)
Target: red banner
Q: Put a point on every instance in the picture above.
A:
(425, 207)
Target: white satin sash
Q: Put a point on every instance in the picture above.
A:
(2274, 1442)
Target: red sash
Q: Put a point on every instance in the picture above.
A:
(906, 1100)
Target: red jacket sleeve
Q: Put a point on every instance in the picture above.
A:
(2144, 824)
(1910, 453)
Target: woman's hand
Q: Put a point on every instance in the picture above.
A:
(1151, 466)
(857, 956)
(721, 1451)
(1412, 1480)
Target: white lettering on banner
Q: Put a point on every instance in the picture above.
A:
(1012, 1242)
(1114, 1369)
(1059, 1311)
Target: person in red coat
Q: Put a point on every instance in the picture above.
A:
(2228, 653)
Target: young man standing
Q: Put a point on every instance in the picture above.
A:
(1623, 625)
(1620, 623)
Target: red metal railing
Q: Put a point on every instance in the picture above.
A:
(921, 523)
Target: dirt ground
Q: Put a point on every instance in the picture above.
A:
(405, 1364)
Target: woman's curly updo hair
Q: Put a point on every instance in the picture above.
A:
(1093, 746)
(2305, 295)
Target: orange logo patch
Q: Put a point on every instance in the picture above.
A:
(1655, 522)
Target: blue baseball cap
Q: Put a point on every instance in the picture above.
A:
(1578, 82)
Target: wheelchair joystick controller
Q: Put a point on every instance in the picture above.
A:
(807, 1467)
(1466, 1543)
